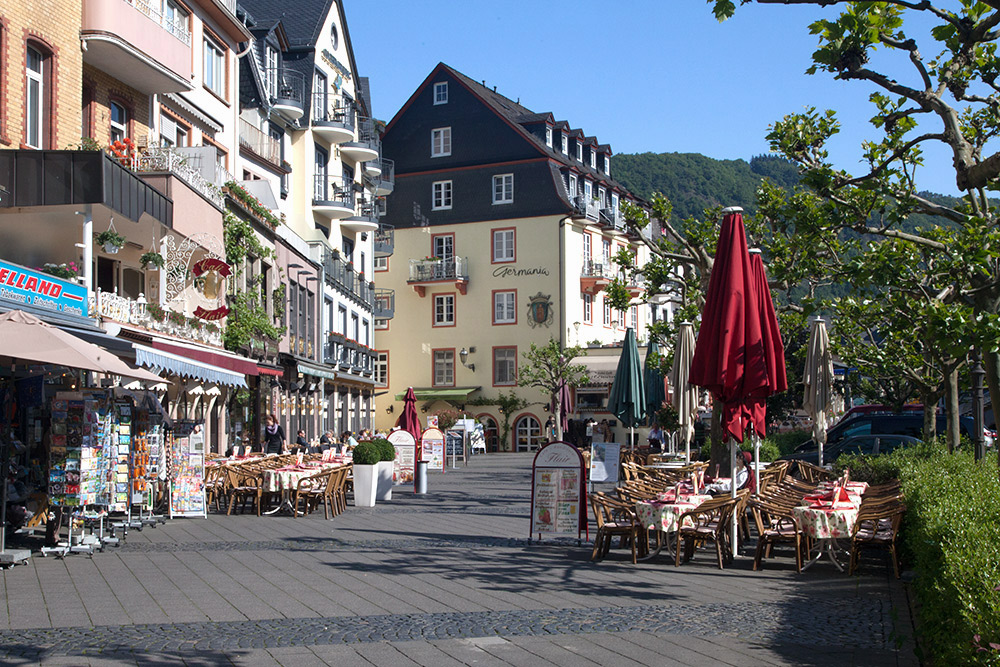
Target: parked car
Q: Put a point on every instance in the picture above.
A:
(872, 444)
(894, 423)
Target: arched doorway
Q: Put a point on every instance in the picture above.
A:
(527, 434)
(491, 431)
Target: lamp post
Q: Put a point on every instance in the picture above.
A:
(977, 371)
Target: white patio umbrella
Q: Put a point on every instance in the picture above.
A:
(685, 394)
(818, 380)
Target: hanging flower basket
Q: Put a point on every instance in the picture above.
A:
(111, 240)
(151, 259)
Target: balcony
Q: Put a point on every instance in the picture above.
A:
(260, 143)
(286, 89)
(385, 240)
(137, 44)
(137, 311)
(595, 276)
(381, 178)
(335, 123)
(385, 304)
(333, 197)
(367, 145)
(348, 355)
(369, 210)
(586, 207)
(613, 218)
(424, 272)
(341, 276)
(189, 165)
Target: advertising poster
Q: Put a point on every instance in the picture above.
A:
(432, 449)
(604, 462)
(187, 489)
(557, 493)
(406, 450)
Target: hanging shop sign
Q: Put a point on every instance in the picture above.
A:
(22, 286)
(210, 279)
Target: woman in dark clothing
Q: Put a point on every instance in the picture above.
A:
(274, 436)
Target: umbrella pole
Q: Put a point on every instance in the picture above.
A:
(756, 462)
(732, 487)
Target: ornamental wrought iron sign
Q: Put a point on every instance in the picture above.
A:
(196, 274)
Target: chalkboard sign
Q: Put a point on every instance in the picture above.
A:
(558, 497)
(454, 443)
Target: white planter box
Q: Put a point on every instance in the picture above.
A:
(365, 485)
(384, 491)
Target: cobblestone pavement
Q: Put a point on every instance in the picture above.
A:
(444, 579)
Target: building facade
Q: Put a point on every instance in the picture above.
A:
(506, 226)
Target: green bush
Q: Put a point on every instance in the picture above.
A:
(386, 451)
(768, 450)
(366, 454)
(787, 442)
(952, 537)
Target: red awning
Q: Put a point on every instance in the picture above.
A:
(242, 366)
(276, 372)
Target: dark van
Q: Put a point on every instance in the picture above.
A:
(894, 423)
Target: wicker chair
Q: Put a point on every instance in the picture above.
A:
(877, 526)
(709, 522)
(614, 518)
(775, 525)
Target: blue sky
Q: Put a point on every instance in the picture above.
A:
(659, 76)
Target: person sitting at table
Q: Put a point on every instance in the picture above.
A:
(301, 444)
(326, 441)
(274, 436)
(725, 485)
(348, 441)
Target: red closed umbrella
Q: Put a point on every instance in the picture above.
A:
(774, 348)
(409, 420)
(729, 358)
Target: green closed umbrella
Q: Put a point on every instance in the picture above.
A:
(627, 400)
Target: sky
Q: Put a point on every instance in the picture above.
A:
(659, 76)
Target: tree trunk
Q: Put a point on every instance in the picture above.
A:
(930, 414)
(719, 452)
(557, 413)
(951, 402)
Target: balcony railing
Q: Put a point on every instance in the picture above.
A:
(587, 206)
(341, 275)
(384, 242)
(613, 217)
(349, 355)
(187, 167)
(367, 134)
(384, 181)
(339, 111)
(178, 27)
(592, 269)
(286, 88)
(135, 311)
(385, 304)
(260, 143)
(333, 189)
(431, 270)
(371, 207)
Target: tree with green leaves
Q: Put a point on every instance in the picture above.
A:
(550, 367)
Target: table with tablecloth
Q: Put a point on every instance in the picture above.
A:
(288, 478)
(663, 515)
(825, 520)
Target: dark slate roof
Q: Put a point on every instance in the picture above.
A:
(535, 118)
(302, 19)
(515, 113)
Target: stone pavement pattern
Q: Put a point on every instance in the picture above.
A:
(444, 579)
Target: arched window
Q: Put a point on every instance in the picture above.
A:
(527, 434)
(491, 432)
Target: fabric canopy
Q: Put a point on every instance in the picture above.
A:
(160, 360)
(729, 354)
(409, 420)
(685, 395)
(817, 379)
(774, 348)
(627, 399)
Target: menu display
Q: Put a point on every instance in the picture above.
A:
(604, 458)
(557, 493)
(432, 449)
(406, 447)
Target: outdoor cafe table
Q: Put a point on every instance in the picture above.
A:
(664, 515)
(825, 522)
(286, 480)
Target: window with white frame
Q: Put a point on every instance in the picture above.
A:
(503, 245)
(565, 144)
(588, 189)
(572, 185)
(593, 159)
(271, 58)
(586, 246)
(119, 122)
(175, 19)
(380, 263)
(614, 201)
(505, 366)
(579, 150)
(215, 67)
(602, 197)
(319, 99)
(503, 189)
(440, 142)
(606, 251)
(441, 92)
(444, 368)
(505, 307)
(381, 376)
(588, 307)
(444, 310)
(34, 96)
(548, 137)
(633, 317)
(607, 312)
(443, 246)
(441, 194)
(607, 165)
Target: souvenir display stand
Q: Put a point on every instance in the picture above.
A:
(187, 471)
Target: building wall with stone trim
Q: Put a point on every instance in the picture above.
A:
(99, 90)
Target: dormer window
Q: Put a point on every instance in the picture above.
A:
(572, 185)
(593, 159)
(579, 150)
(441, 93)
(565, 144)
(607, 165)
(548, 137)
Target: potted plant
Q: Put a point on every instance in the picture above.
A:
(365, 461)
(151, 258)
(386, 464)
(111, 240)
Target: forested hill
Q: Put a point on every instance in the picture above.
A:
(693, 182)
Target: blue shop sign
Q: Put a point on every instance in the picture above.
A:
(27, 287)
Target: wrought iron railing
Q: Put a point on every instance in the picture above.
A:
(136, 311)
(178, 27)
(587, 206)
(259, 142)
(338, 110)
(385, 304)
(429, 270)
(185, 167)
(384, 242)
(341, 275)
(286, 87)
(333, 189)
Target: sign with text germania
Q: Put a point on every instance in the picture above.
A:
(27, 287)
(558, 496)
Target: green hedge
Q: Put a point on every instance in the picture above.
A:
(366, 454)
(952, 539)
(768, 450)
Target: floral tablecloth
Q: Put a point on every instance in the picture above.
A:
(827, 522)
(657, 515)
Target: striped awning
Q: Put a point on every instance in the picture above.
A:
(159, 360)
